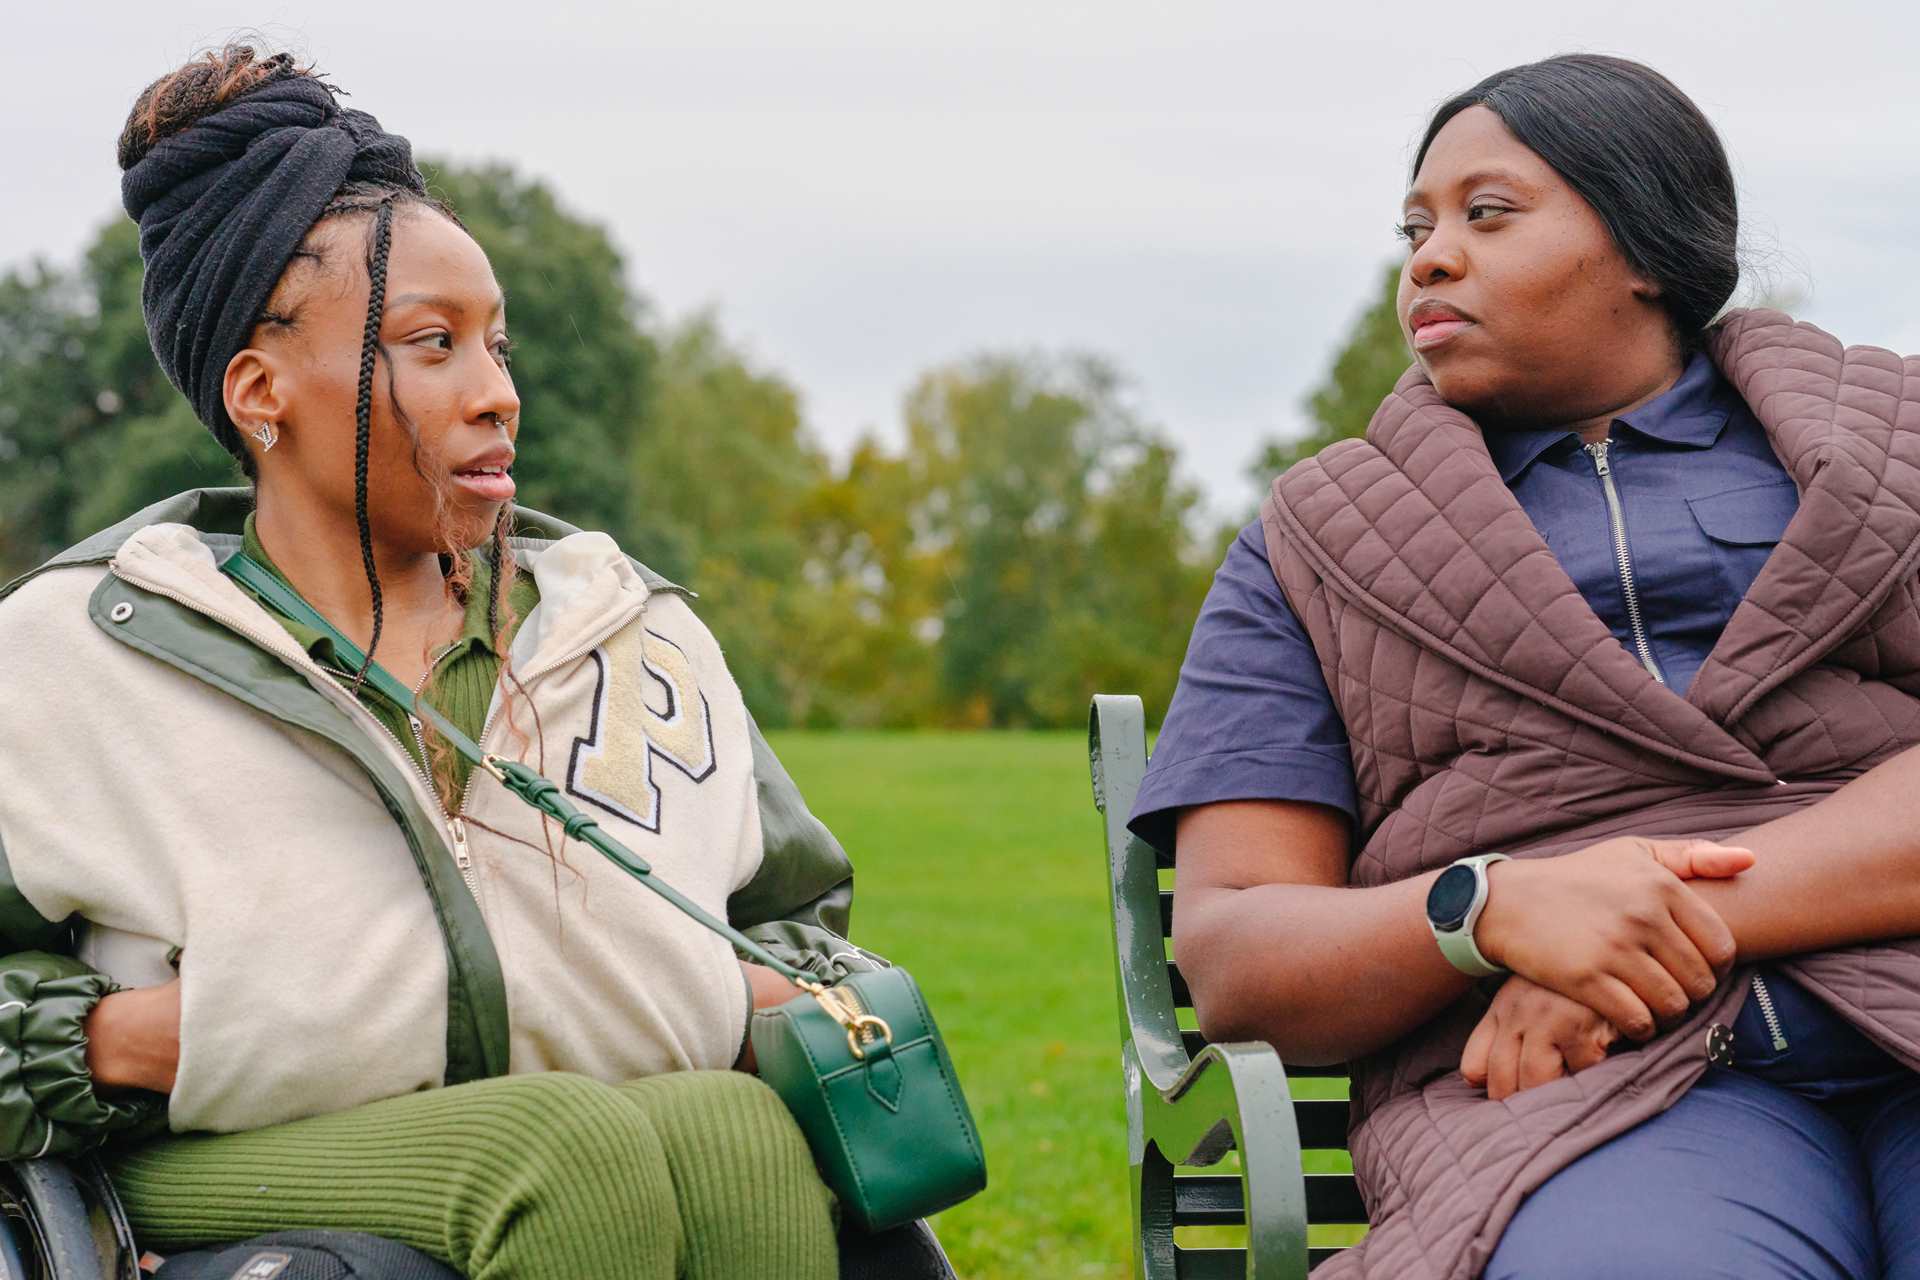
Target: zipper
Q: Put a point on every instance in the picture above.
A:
(1764, 998)
(1618, 520)
(863, 1022)
(582, 650)
(456, 830)
(456, 822)
(458, 819)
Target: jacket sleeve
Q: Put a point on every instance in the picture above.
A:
(798, 904)
(47, 1103)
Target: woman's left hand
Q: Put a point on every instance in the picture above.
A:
(1529, 1036)
(769, 989)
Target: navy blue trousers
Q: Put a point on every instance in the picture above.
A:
(1801, 1162)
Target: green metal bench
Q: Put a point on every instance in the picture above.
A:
(1190, 1103)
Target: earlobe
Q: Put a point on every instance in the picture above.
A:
(253, 399)
(250, 388)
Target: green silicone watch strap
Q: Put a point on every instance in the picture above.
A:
(1458, 945)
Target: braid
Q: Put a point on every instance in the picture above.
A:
(497, 556)
(363, 420)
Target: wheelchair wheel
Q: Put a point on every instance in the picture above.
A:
(62, 1223)
(16, 1242)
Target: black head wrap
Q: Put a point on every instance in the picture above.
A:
(223, 204)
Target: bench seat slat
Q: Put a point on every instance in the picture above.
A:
(1210, 1264)
(1214, 1200)
(1182, 997)
(1322, 1122)
(1209, 1200)
(1334, 1197)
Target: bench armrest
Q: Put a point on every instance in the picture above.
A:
(1181, 1109)
(1234, 1097)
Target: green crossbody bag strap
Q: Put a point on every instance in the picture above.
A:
(526, 783)
(884, 1116)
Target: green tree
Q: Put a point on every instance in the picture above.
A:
(721, 483)
(90, 429)
(47, 402)
(1062, 535)
(1029, 544)
(1368, 364)
(1126, 624)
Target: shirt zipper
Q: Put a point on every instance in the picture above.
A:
(1764, 998)
(1617, 519)
(456, 822)
(456, 831)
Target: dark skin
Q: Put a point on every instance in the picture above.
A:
(1493, 231)
(1609, 942)
(444, 328)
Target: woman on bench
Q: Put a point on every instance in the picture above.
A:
(258, 904)
(1549, 753)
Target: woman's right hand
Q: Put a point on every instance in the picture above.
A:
(133, 1038)
(1614, 926)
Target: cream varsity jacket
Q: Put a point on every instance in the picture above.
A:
(183, 783)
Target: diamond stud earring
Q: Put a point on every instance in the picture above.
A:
(267, 435)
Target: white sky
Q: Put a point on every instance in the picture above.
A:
(1202, 192)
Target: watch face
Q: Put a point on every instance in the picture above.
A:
(1451, 897)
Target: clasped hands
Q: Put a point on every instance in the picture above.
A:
(1603, 943)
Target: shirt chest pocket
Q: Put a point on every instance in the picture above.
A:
(1742, 527)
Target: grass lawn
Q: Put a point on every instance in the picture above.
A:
(979, 868)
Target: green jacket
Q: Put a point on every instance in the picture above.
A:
(796, 903)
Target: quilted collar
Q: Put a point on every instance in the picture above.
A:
(1845, 422)
(1458, 567)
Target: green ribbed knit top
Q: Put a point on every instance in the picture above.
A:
(465, 671)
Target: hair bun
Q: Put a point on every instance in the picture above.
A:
(195, 91)
(231, 161)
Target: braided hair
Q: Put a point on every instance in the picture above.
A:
(381, 183)
(363, 416)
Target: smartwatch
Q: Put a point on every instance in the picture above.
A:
(1454, 904)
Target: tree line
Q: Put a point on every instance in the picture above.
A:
(1028, 543)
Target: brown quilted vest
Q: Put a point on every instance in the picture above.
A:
(1488, 707)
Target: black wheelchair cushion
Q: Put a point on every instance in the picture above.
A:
(905, 1253)
(307, 1255)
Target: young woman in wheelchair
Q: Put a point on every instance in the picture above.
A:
(1549, 754)
(291, 959)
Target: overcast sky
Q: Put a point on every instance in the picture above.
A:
(1201, 192)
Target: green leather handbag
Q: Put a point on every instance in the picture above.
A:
(866, 1075)
(860, 1063)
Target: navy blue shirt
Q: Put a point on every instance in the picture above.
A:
(1702, 501)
